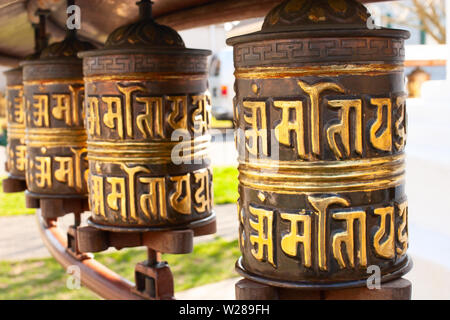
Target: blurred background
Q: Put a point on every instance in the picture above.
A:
(27, 272)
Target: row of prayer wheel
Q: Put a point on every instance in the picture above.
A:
(320, 122)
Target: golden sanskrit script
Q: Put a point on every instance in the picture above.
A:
(153, 115)
(138, 195)
(66, 107)
(301, 120)
(349, 246)
(46, 169)
(15, 107)
(16, 156)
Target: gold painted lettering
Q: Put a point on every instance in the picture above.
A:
(44, 172)
(98, 206)
(289, 242)
(263, 238)
(203, 195)
(131, 172)
(41, 116)
(146, 123)
(403, 228)
(343, 128)
(118, 192)
(21, 157)
(286, 126)
(74, 97)
(65, 171)
(347, 237)
(321, 205)
(314, 92)
(97, 196)
(258, 123)
(201, 116)
(93, 118)
(178, 105)
(400, 124)
(385, 249)
(383, 141)
(128, 91)
(78, 154)
(19, 108)
(154, 202)
(62, 109)
(179, 200)
(111, 116)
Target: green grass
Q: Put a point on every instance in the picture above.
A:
(221, 123)
(46, 279)
(225, 182)
(12, 204)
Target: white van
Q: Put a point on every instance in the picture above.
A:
(221, 84)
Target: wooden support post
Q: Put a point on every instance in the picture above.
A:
(399, 289)
(11, 185)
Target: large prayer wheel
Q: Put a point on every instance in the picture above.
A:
(15, 148)
(55, 132)
(148, 113)
(15, 108)
(321, 118)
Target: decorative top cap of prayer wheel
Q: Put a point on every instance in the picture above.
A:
(318, 18)
(67, 48)
(145, 32)
(316, 15)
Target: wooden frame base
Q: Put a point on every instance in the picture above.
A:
(11, 185)
(54, 207)
(399, 289)
(153, 277)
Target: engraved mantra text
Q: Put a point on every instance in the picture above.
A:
(292, 121)
(152, 120)
(182, 196)
(387, 241)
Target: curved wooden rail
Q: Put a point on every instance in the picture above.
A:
(94, 275)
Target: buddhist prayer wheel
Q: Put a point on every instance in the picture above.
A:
(321, 118)
(55, 132)
(148, 113)
(16, 148)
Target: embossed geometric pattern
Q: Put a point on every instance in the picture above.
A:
(142, 63)
(319, 50)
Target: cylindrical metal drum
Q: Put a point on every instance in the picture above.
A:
(55, 132)
(15, 108)
(321, 118)
(148, 113)
(15, 149)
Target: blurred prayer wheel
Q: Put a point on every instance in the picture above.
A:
(55, 132)
(143, 91)
(16, 148)
(320, 110)
(3, 121)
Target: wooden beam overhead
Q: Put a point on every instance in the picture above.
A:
(101, 17)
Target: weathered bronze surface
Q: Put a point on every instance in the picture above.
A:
(55, 132)
(16, 148)
(144, 90)
(321, 118)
